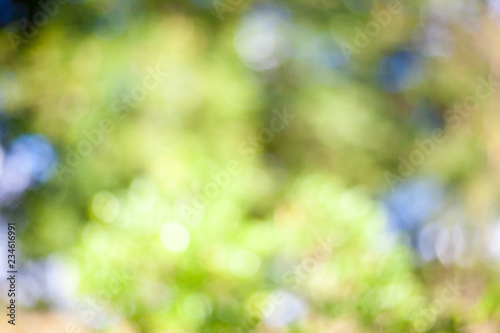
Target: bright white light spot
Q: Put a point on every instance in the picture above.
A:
(63, 278)
(450, 244)
(288, 309)
(260, 40)
(257, 46)
(427, 241)
(175, 237)
(493, 240)
(244, 263)
(105, 206)
(442, 243)
(144, 193)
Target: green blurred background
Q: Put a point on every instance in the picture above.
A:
(251, 166)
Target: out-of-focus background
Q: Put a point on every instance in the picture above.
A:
(251, 166)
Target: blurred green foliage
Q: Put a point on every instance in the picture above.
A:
(320, 177)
